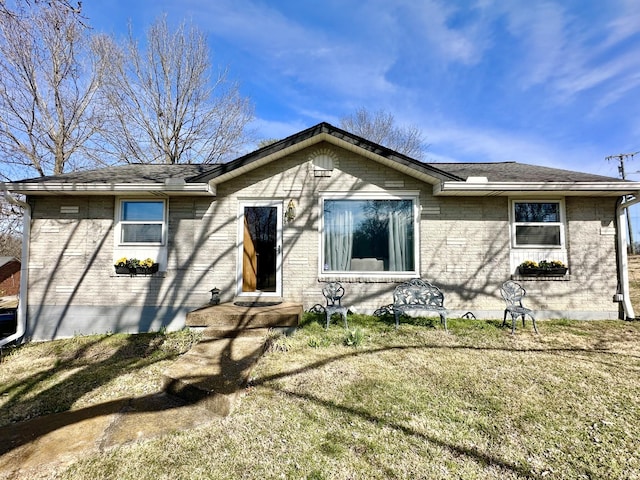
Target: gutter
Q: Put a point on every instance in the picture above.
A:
(623, 264)
(21, 318)
(169, 187)
(479, 185)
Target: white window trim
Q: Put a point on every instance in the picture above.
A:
(412, 195)
(562, 223)
(120, 222)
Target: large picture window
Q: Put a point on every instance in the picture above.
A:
(538, 224)
(369, 235)
(142, 221)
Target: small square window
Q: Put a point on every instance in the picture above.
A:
(538, 224)
(142, 221)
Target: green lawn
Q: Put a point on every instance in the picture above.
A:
(379, 403)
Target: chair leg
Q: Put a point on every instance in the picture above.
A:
(513, 324)
(328, 320)
(504, 320)
(345, 321)
(397, 319)
(443, 320)
(533, 320)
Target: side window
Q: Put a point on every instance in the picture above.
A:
(538, 224)
(142, 222)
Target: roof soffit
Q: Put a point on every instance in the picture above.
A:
(600, 189)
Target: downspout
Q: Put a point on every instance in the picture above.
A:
(21, 320)
(623, 264)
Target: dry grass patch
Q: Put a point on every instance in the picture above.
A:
(418, 403)
(47, 377)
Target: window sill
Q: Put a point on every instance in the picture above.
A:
(364, 278)
(541, 278)
(129, 275)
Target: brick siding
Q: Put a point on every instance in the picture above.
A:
(464, 247)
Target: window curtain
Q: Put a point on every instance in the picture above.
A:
(339, 240)
(399, 244)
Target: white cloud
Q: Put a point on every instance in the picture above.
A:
(463, 44)
(468, 144)
(305, 54)
(625, 25)
(569, 54)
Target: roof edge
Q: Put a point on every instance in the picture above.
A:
(54, 188)
(498, 188)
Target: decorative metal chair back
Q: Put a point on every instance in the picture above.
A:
(333, 293)
(512, 292)
(418, 292)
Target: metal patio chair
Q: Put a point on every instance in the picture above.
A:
(513, 293)
(333, 293)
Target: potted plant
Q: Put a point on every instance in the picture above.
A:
(133, 266)
(122, 266)
(543, 267)
(146, 266)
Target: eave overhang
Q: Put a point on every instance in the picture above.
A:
(513, 189)
(168, 189)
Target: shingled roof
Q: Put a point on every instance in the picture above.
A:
(517, 172)
(131, 173)
(447, 178)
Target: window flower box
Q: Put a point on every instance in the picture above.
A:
(543, 268)
(133, 266)
(147, 270)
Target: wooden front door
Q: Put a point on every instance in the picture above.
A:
(261, 248)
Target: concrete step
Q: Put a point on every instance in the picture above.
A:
(211, 333)
(228, 316)
(215, 371)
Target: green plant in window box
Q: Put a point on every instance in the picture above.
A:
(543, 267)
(133, 266)
(122, 266)
(147, 266)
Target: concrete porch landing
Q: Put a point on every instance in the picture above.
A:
(216, 369)
(230, 317)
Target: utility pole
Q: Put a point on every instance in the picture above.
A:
(621, 157)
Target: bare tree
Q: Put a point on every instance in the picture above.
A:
(10, 237)
(73, 7)
(380, 127)
(165, 107)
(50, 77)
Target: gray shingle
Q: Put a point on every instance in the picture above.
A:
(133, 173)
(518, 172)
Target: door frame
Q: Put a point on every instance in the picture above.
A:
(240, 247)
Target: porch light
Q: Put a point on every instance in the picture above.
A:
(215, 296)
(290, 213)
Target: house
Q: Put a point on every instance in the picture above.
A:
(9, 289)
(9, 276)
(320, 205)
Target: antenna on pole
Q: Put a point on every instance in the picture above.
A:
(621, 157)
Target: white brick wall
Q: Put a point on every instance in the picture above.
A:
(464, 246)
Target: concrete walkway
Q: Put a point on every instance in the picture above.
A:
(200, 387)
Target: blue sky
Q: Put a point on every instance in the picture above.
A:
(553, 83)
